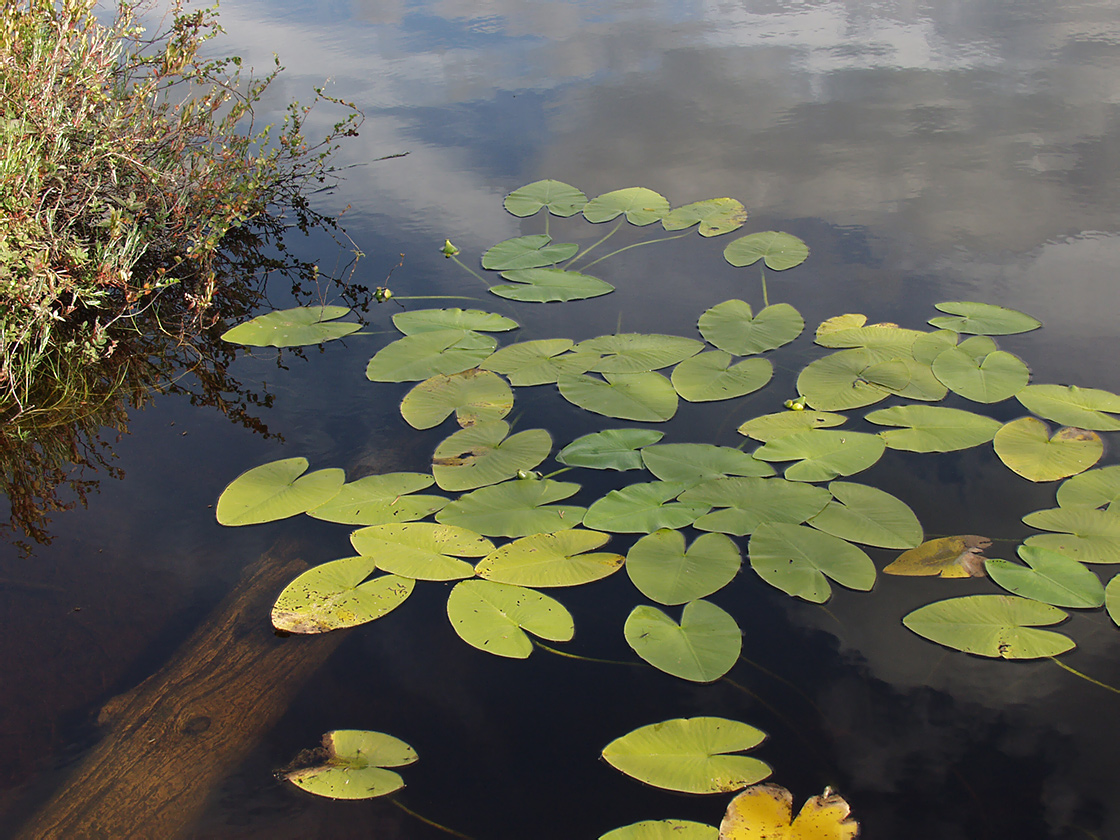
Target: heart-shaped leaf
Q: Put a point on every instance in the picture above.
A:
(647, 397)
(610, 449)
(380, 500)
(642, 206)
(541, 285)
(1049, 577)
(695, 462)
(777, 249)
(558, 559)
(561, 199)
(765, 812)
(796, 560)
(1095, 488)
(1085, 534)
(533, 251)
(276, 491)
(474, 395)
(297, 327)
(983, 318)
(933, 428)
(483, 455)
(732, 327)
(336, 595)
(769, 427)
(637, 352)
(743, 504)
(711, 376)
(539, 362)
(838, 382)
(1026, 448)
(352, 765)
(665, 572)
(1085, 408)
(1112, 599)
(643, 509)
(434, 320)
(421, 550)
(867, 515)
(823, 454)
(515, 508)
(419, 356)
(715, 216)
(493, 617)
(663, 830)
(998, 626)
(702, 648)
(989, 379)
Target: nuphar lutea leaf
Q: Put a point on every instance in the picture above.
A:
(638, 352)
(275, 491)
(610, 449)
(421, 550)
(1084, 408)
(742, 504)
(932, 428)
(643, 508)
(993, 377)
(640, 205)
(665, 572)
(983, 318)
(483, 455)
(542, 285)
(424, 354)
(734, 328)
(1049, 577)
(710, 376)
(695, 462)
(351, 765)
(1094, 489)
(561, 199)
(799, 561)
(1026, 448)
(297, 327)
(1085, 534)
(765, 812)
(714, 215)
(778, 250)
(494, 617)
(539, 362)
(862, 514)
(702, 648)
(663, 830)
(998, 626)
(950, 557)
(646, 397)
(336, 595)
(547, 560)
(434, 320)
(527, 252)
(515, 508)
(769, 427)
(823, 454)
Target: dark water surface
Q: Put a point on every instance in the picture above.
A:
(926, 151)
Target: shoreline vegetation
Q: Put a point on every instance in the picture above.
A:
(140, 209)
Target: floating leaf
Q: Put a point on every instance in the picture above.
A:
(950, 557)
(610, 449)
(539, 362)
(882, 341)
(547, 560)
(561, 199)
(999, 626)
(333, 595)
(732, 327)
(1049, 577)
(763, 812)
(989, 379)
(715, 216)
(796, 560)
(1112, 599)
(928, 346)
(694, 462)
(915, 380)
(474, 395)
(433, 320)
(641, 206)
(352, 765)
(983, 318)
(1085, 534)
(1072, 406)
(421, 550)
(493, 617)
(665, 572)
(647, 396)
(691, 755)
(1095, 488)
(381, 499)
(483, 455)
(930, 428)
(836, 382)
(702, 648)
(769, 427)
(638, 352)
(643, 509)
(297, 327)
(823, 454)
(745, 503)
(425, 354)
(275, 491)
(541, 285)
(527, 252)
(867, 515)
(711, 376)
(663, 830)
(1027, 449)
(778, 250)
(515, 508)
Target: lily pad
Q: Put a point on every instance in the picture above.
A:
(419, 356)
(352, 765)
(983, 319)
(1085, 534)
(494, 617)
(642, 206)
(296, 327)
(1026, 448)
(1095, 488)
(535, 251)
(483, 455)
(702, 648)
(950, 557)
(799, 561)
(764, 812)
(868, 515)
(515, 508)
(643, 509)
(433, 320)
(1112, 599)
(610, 449)
(989, 379)
(919, 382)
(474, 395)
(1085, 408)
(380, 500)
(1049, 577)
(743, 504)
(823, 454)
(336, 595)
(561, 199)
(663, 830)
(541, 285)
(714, 215)
(648, 397)
(769, 427)
(546, 560)
(275, 491)
(929, 345)
(665, 572)
(997, 626)
(421, 550)
(732, 327)
(691, 755)
(777, 249)
(932, 428)
(539, 362)
(694, 462)
(836, 382)
(882, 341)
(638, 352)
(711, 376)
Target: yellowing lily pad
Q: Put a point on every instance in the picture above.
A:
(765, 812)
(715, 216)
(950, 557)
(351, 765)
(333, 595)
(1026, 447)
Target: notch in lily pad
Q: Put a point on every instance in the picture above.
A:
(277, 490)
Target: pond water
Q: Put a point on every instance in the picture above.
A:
(925, 151)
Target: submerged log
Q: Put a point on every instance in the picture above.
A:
(172, 739)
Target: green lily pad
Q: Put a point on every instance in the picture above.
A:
(297, 327)
(1112, 599)
(561, 199)
(711, 376)
(1085, 534)
(380, 500)
(539, 362)
(533, 251)
(777, 249)
(424, 354)
(998, 626)
(421, 550)
(663, 830)
(648, 397)
(732, 327)
(799, 560)
(483, 455)
(1095, 488)
(916, 380)
(494, 617)
(983, 319)
(929, 345)
(694, 462)
(546, 560)
(541, 285)
(637, 352)
(742, 504)
(336, 595)
(474, 395)
(691, 755)
(993, 377)
(769, 427)
(702, 648)
(610, 449)
(353, 765)
(642, 206)
(931, 428)
(950, 557)
(433, 320)
(1049, 577)
(515, 508)
(665, 572)
(870, 516)
(836, 382)
(714, 215)
(275, 491)
(1084, 408)
(882, 341)
(823, 454)
(1026, 447)
(643, 509)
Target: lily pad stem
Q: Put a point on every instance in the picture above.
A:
(635, 245)
(427, 821)
(555, 472)
(765, 297)
(434, 297)
(592, 247)
(567, 655)
(469, 270)
(1086, 677)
